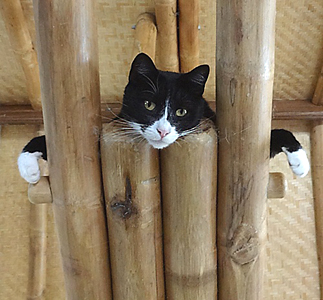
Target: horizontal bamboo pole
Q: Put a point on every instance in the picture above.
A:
(132, 192)
(245, 65)
(166, 18)
(68, 60)
(40, 192)
(188, 34)
(37, 251)
(189, 210)
(282, 110)
(145, 35)
(20, 39)
(277, 185)
(317, 175)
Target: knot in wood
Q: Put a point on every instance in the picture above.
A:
(244, 244)
(124, 208)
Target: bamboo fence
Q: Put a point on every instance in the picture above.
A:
(159, 216)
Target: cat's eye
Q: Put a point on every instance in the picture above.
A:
(150, 105)
(181, 112)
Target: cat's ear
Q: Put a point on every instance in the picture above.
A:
(198, 77)
(142, 67)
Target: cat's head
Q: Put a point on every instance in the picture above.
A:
(163, 106)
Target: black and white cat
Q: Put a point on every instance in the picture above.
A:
(162, 107)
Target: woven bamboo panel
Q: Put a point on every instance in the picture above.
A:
(14, 224)
(292, 270)
(299, 43)
(12, 80)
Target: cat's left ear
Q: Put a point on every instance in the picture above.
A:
(142, 66)
(198, 77)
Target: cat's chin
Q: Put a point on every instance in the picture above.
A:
(158, 144)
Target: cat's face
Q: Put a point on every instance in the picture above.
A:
(162, 106)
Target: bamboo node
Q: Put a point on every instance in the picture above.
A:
(124, 209)
(244, 245)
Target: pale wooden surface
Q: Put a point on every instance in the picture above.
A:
(318, 93)
(70, 90)
(132, 194)
(277, 185)
(40, 192)
(189, 179)
(317, 175)
(245, 61)
(21, 42)
(166, 18)
(37, 251)
(145, 35)
(188, 22)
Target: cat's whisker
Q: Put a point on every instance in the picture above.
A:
(150, 82)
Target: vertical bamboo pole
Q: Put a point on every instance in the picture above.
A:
(318, 93)
(317, 175)
(166, 18)
(188, 34)
(132, 192)
(189, 216)
(37, 251)
(68, 60)
(145, 35)
(20, 39)
(245, 67)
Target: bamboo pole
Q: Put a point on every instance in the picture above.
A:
(318, 93)
(188, 34)
(132, 193)
(317, 175)
(189, 216)
(20, 39)
(166, 18)
(37, 251)
(277, 185)
(68, 60)
(145, 35)
(245, 65)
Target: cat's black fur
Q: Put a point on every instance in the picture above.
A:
(152, 95)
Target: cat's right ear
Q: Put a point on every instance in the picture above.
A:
(142, 67)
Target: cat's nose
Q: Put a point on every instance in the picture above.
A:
(162, 132)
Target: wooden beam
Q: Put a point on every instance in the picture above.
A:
(166, 18)
(245, 73)
(20, 39)
(189, 49)
(68, 61)
(296, 110)
(282, 110)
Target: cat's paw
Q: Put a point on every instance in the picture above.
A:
(298, 162)
(28, 166)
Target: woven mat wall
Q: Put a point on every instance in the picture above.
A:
(299, 43)
(14, 224)
(292, 268)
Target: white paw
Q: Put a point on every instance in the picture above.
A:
(28, 166)
(298, 162)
